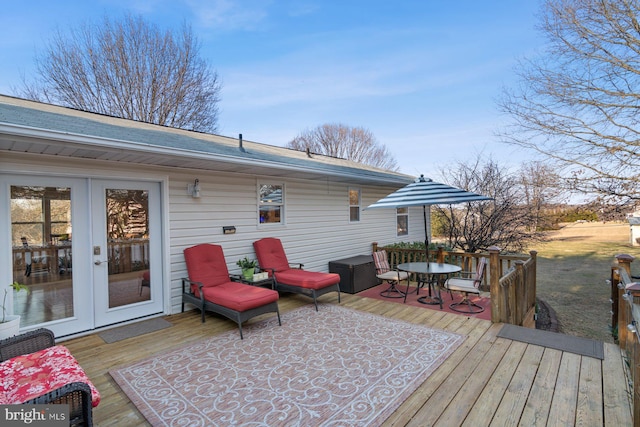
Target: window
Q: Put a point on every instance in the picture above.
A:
(402, 220)
(354, 204)
(40, 215)
(271, 203)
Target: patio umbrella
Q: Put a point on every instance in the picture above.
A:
(425, 192)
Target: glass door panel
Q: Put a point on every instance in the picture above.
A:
(41, 238)
(128, 236)
(47, 244)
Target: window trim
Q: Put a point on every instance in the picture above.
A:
(398, 215)
(359, 205)
(281, 205)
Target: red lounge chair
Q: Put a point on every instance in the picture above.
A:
(210, 288)
(272, 258)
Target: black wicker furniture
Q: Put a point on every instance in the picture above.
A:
(75, 394)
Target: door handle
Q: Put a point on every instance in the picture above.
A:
(98, 262)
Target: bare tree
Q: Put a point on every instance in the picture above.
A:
(129, 69)
(475, 226)
(541, 186)
(577, 104)
(338, 140)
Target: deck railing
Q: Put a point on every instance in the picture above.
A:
(625, 301)
(511, 279)
(513, 293)
(128, 255)
(124, 257)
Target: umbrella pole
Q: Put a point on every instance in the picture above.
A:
(426, 232)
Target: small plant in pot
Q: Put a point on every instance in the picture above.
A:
(248, 267)
(10, 324)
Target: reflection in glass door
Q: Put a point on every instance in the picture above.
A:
(127, 241)
(41, 237)
(128, 235)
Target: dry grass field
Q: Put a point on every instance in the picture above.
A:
(572, 269)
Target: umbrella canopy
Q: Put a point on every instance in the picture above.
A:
(425, 192)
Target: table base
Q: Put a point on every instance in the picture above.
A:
(430, 300)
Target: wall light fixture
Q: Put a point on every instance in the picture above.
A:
(194, 189)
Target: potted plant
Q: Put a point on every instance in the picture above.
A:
(248, 267)
(10, 323)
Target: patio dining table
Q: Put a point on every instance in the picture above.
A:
(426, 271)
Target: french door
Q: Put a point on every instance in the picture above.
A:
(88, 250)
(126, 251)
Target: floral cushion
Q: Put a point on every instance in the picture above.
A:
(26, 377)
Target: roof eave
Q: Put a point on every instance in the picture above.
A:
(22, 136)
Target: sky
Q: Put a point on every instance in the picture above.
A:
(423, 76)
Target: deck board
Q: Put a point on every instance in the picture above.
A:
(589, 405)
(474, 330)
(616, 410)
(517, 392)
(565, 395)
(483, 367)
(536, 410)
(422, 395)
(487, 379)
(489, 398)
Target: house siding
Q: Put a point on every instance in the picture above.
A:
(316, 228)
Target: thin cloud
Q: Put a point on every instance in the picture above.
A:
(229, 15)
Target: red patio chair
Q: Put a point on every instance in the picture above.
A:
(272, 258)
(210, 288)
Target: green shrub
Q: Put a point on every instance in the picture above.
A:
(419, 245)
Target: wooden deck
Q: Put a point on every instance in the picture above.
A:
(487, 381)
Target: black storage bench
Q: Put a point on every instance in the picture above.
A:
(356, 273)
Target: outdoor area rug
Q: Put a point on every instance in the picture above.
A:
(577, 345)
(412, 300)
(133, 330)
(337, 367)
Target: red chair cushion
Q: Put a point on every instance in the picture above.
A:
(270, 254)
(307, 279)
(206, 264)
(26, 377)
(238, 296)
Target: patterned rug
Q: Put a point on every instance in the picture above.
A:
(412, 300)
(337, 367)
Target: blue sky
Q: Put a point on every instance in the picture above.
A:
(423, 76)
